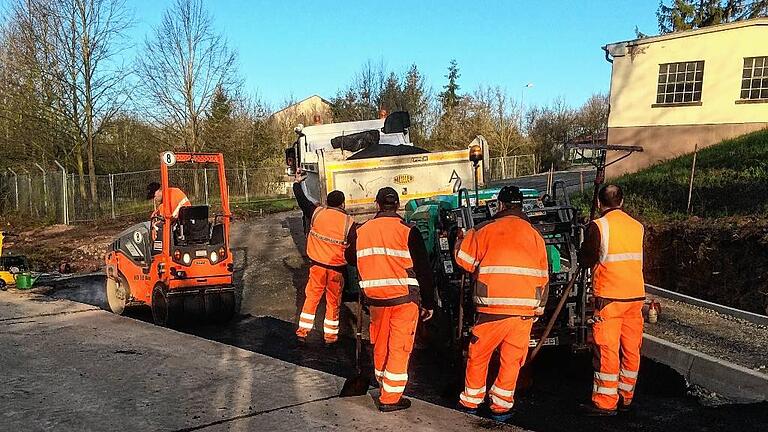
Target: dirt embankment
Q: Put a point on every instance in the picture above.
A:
(720, 260)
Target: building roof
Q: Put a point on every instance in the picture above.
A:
(619, 46)
(325, 101)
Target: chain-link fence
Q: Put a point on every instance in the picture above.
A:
(40, 194)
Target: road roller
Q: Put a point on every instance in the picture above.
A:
(179, 262)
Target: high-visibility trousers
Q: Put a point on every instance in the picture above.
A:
(511, 336)
(618, 334)
(321, 281)
(392, 331)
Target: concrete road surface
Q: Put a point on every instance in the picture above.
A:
(572, 180)
(66, 366)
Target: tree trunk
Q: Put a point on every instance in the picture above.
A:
(80, 171)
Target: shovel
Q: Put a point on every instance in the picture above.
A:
(357, 385)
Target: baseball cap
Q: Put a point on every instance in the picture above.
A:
(510, 194)
(387, 195)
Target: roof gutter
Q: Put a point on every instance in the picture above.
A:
(607, 54)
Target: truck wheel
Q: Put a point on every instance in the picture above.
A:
(166, 310)
(117, 294)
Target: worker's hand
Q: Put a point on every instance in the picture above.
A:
(426, 314)
(539, 311)
(300, 176)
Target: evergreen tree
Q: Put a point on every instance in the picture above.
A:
(682, 15)
(449, 97)
(391, 97)
(416, 102)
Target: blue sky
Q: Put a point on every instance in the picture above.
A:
(298, 48)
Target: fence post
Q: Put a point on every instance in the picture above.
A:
(514, 169)
(245, 182)
(581, 181)
(15, 186)
(112, 193)
(65, 206)
(503, 167)
(693, 173)
(29, 193)
(45, 188)
(205, 179)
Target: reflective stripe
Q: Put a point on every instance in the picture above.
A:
(392, 389)
(307, 316)
(606, 377)
(520, 271)
(388, 282)
(498, 301)
(501, 402)
(629, 374)
(623, 257)
(502, 392)
(626, 387)
(604, 237)
(327, 330)
(330, 323)
(326, 239)
(469, 259)
(472, 400)
(474, 391)
(378, 373)
(395, 377)
(306, 325)
(384, 251)
(178, 207)
(605, 390)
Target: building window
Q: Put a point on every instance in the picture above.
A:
(680, 83)
(754, 80)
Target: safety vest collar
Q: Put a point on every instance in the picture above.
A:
(388, 214)
(518, 213)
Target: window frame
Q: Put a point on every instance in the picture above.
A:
(762, 88)
(691, 74)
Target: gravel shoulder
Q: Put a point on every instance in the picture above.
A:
(722, 336)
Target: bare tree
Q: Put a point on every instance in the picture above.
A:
(74, 48)
(184, 62)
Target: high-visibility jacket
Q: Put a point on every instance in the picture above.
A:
(328, 233)
(618, 274)
(384, 262)
(509, 260)
(178, 200)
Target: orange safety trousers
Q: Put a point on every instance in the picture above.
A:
(392, 333)
(511, 335)
(321, 281)
(618, 334)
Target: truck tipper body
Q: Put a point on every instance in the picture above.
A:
(348, 157)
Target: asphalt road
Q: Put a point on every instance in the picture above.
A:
(571, 179)
(273, 273)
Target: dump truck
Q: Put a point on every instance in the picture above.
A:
(360, 157)
(180, 266)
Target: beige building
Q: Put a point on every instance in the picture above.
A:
(671, 92)
(305, 111)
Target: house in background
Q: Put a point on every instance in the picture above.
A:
(671, 92)
(306, 112)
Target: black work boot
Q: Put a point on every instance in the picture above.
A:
(624, 406)
(402, 404)
(590, 410)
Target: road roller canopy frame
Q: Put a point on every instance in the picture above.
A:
(179, 265)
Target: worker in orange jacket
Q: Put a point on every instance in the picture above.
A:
(396, 283)
(326, 243)
(613, 248)
(508, 259)
(178, 200)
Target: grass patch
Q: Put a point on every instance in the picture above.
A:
(267, 206)
(731, 180)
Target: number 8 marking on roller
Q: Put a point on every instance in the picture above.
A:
(169, 158)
